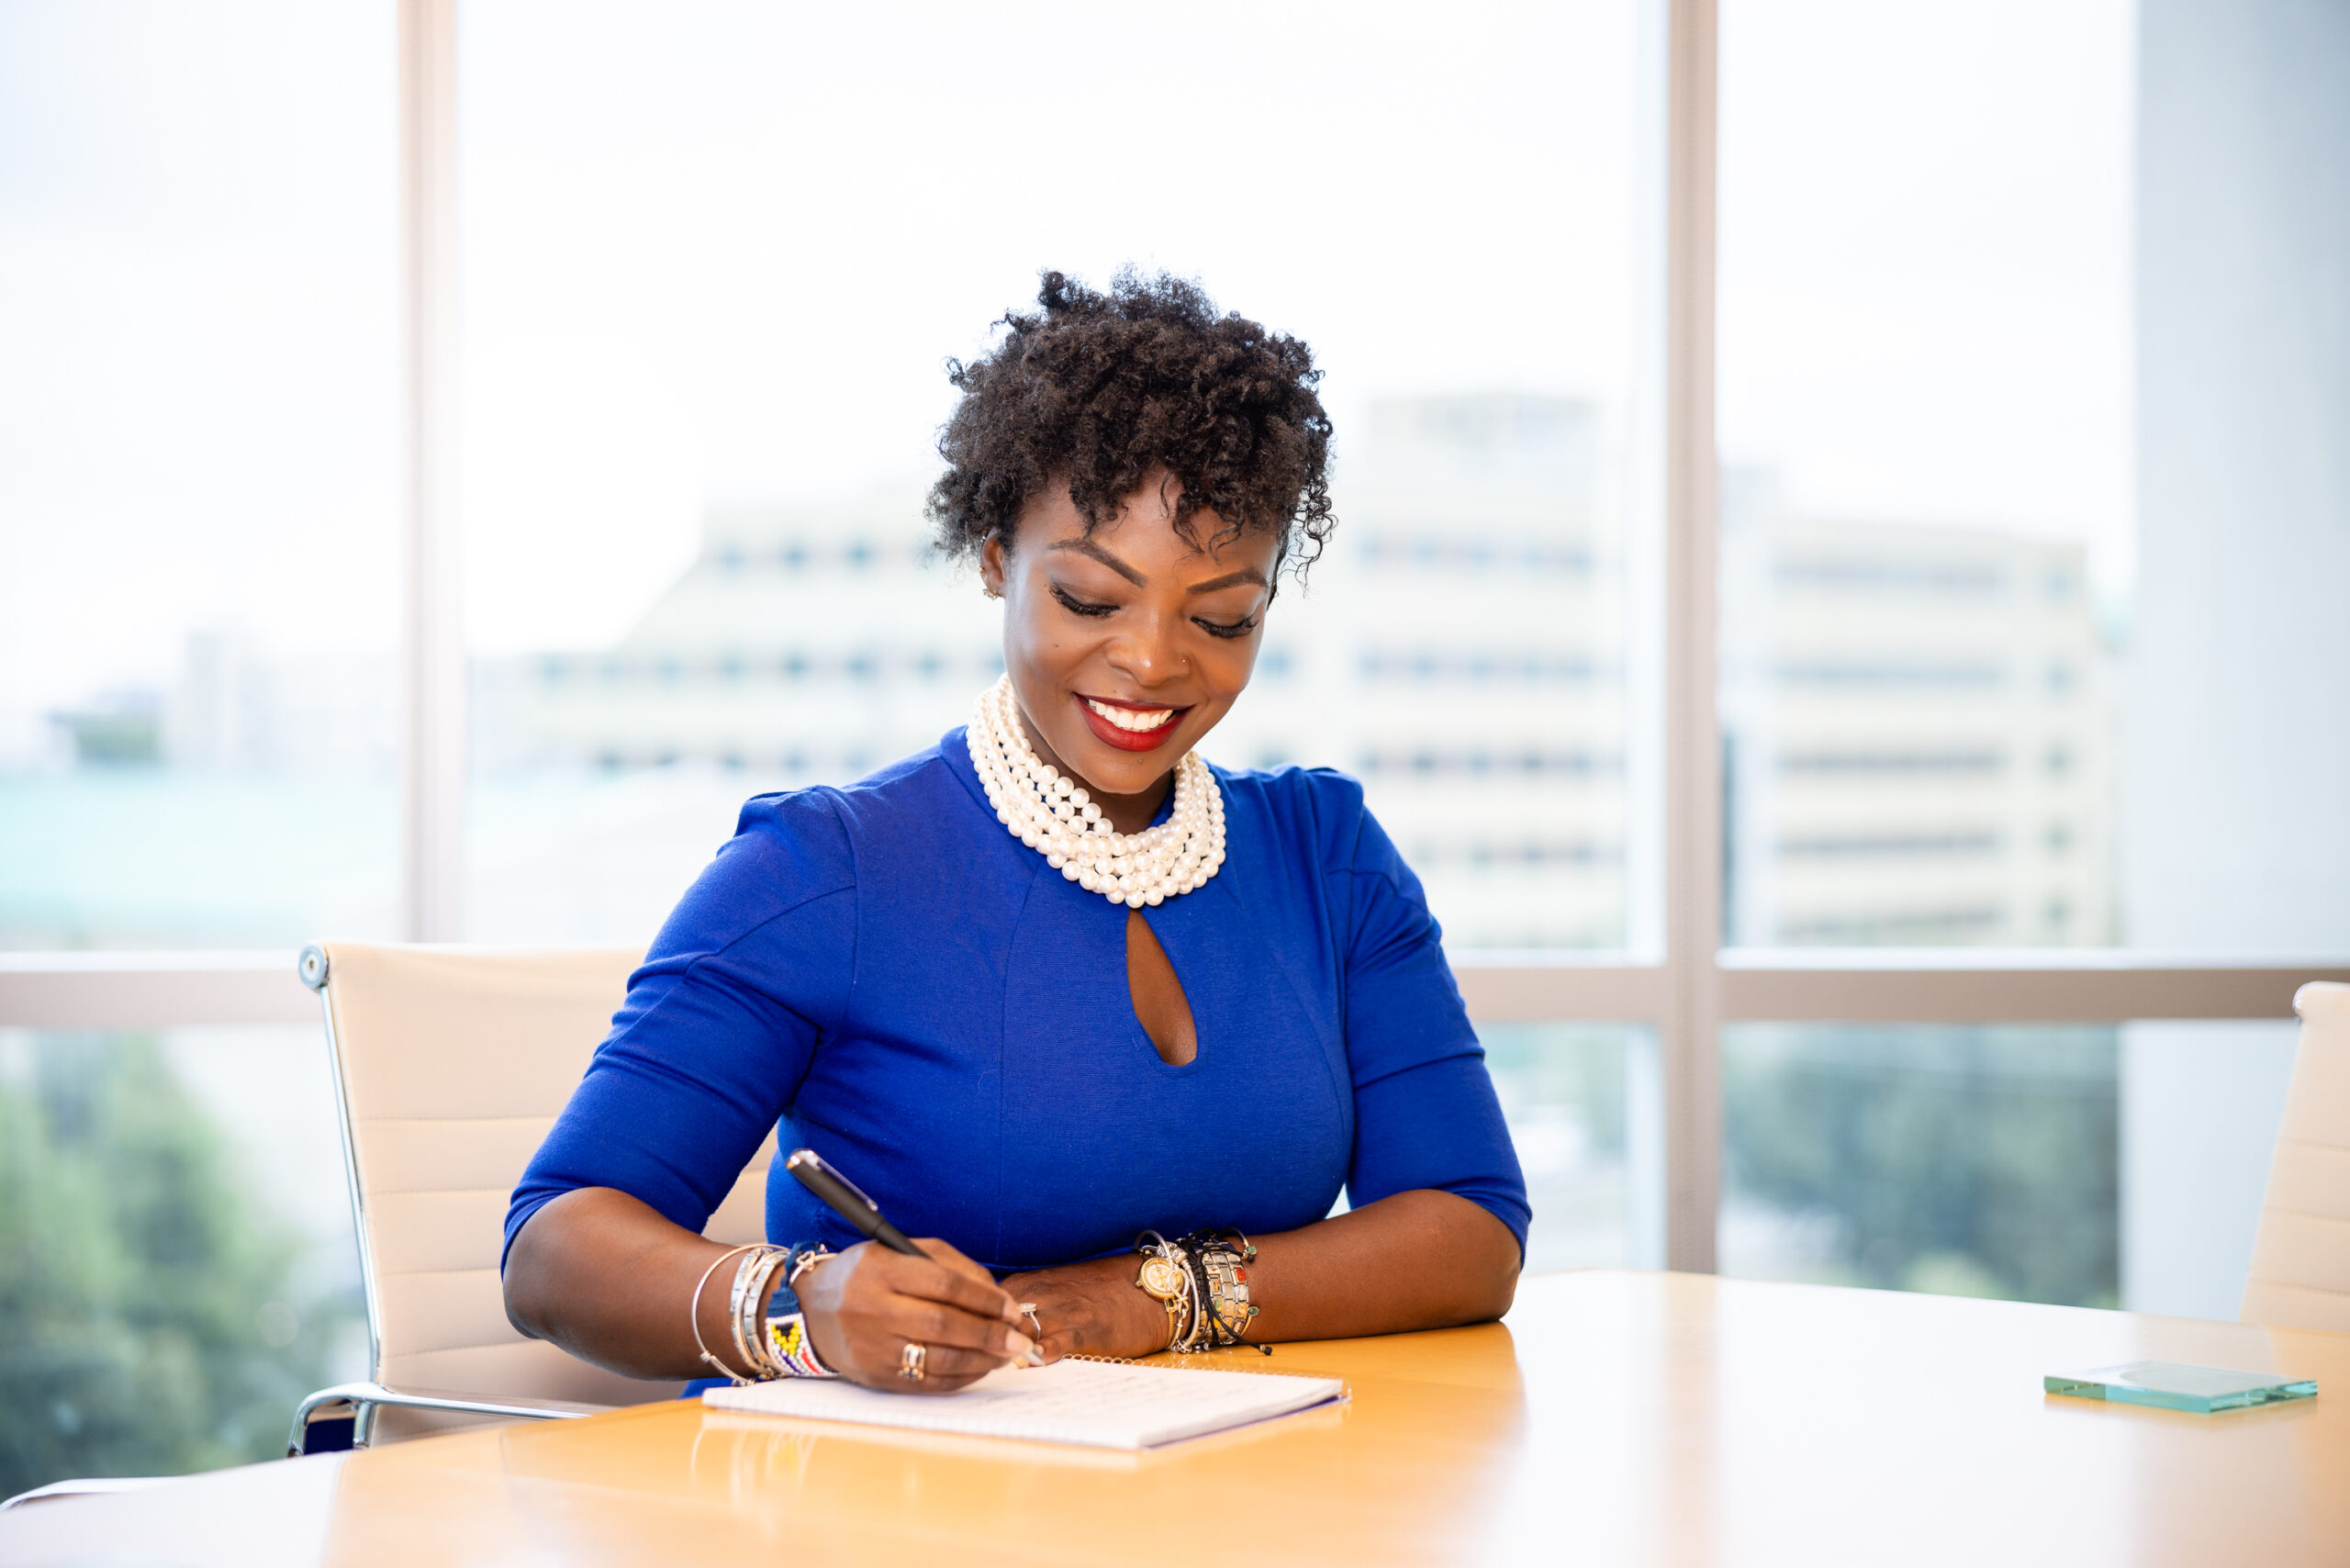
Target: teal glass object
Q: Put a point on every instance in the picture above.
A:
(2175, 1385)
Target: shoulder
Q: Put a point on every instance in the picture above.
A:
(789, 850)
(795, 847)
(1319, 812)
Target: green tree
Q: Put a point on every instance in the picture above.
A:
(1964, 1160)
(151, 1317)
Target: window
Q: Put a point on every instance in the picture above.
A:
(1837, 587)
(199, 537)
(704, 373)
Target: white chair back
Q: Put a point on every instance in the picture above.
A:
(2301, 1256)
(450, 1065)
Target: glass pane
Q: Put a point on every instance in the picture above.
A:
(1564, 1091)
(2031, 403)
(198, 584)
(2094, 1166)
(713, 267)
(1962, 1161)
(176, 1261)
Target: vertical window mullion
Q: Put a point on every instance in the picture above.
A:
(433, 659)
(1690, 1042)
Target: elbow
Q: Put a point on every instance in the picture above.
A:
(524, 1280)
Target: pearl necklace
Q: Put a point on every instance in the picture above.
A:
(1048, 811)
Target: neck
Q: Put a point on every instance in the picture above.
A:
(1127, 813)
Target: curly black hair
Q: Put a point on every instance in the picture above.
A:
(1099, 390)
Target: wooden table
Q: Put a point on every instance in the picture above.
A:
(1613, 1418)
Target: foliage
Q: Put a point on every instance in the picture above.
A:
(1965, 1160)
(154, 1321)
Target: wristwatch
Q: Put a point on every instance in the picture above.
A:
(1167, 1284)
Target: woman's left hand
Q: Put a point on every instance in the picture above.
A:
(1092, 1309)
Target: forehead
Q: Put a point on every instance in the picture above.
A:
(1144, 532)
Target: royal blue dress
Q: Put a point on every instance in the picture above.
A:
(915, 994)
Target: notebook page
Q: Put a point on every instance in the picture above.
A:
(1095, 1404)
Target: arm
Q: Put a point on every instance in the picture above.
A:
(1437, 1234)
(608, 1279)
(1437, 1259)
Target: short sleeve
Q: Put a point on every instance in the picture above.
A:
(1426, 1114)
(746, 977)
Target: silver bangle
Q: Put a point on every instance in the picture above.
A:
(750, 1280)
(693, 1314)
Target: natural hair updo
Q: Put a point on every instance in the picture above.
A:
(1099, 390)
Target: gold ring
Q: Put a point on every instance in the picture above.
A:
(910, 1360)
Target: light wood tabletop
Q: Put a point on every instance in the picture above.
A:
(1613, 1417)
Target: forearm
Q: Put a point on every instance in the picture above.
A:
(1418, 1260)
(608, 1279)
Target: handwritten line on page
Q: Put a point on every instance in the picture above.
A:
(1095, 1403)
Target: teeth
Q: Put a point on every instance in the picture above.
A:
(1136, 722)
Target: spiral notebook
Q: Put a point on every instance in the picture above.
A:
(1095, 1403)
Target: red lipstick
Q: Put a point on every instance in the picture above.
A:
(1109, 733)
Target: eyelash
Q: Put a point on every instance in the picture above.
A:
(1225, 629)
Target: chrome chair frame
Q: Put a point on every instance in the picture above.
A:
(365, 1397)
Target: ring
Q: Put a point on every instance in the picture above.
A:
(910, 1360)
(1029, 1307)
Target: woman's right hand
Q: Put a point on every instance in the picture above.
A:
(865, 1305)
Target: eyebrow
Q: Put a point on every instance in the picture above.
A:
(1088, 548)
(1229, 580)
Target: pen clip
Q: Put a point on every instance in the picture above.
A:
(815, 1162)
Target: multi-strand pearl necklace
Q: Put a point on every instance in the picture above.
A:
(1049, 811)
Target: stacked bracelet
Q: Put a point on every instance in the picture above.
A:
(1203, 1281)
(769, 1332)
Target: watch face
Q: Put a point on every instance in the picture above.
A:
(1161, 1278)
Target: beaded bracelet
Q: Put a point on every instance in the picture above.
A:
(785, 1342)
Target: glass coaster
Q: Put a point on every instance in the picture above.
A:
(2173, 1386)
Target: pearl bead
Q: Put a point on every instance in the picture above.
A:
(1047, 812)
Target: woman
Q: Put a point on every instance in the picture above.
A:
(1053, 983)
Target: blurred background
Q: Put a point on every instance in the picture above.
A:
(2033, 364)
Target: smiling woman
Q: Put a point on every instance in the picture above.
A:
(929, 998)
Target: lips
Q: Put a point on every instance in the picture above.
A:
(1161, 722)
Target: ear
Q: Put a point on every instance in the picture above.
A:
(991, 564)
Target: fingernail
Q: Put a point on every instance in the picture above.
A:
(1023, 1346)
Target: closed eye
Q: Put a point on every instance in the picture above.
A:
(1226, 628)
(1077, 606)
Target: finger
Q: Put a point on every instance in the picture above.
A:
(937, 1280)
(946, 1255)
(936, 1323)
(948, 1361)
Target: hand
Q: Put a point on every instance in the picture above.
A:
(1092, 1309)
(864, 1305)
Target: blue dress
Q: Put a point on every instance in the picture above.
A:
(915, 994)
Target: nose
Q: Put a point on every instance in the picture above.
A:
(1150, 653)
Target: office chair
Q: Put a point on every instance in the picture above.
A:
(2301, 1256)
(450, 1065)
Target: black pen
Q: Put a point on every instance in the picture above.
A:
(841, 1195)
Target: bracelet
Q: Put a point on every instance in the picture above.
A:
(693, 1314)
(751, 1277)
(1219, 1278)
(1165, 1279)
(785, 1339)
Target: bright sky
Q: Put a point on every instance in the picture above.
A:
(719, 251)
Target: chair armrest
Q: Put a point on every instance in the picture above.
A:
(362, 1396)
